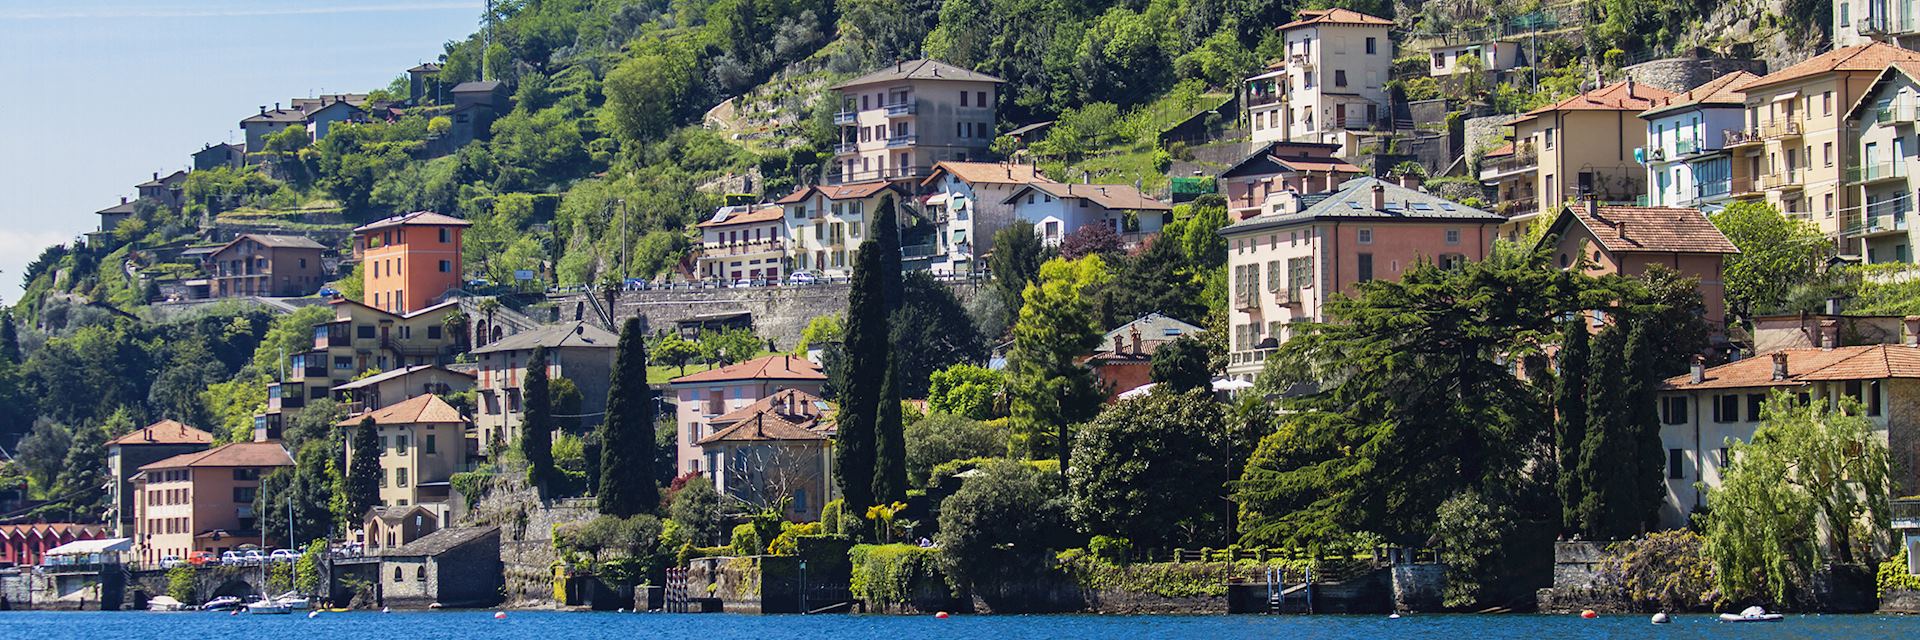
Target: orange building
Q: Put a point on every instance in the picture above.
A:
(409, 260)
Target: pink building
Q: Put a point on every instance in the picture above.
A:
(1627, 240)
(1285, 262)
(23, 544)
(703, 397)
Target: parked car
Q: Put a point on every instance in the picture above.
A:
(199, 558)
(327, 292)
(232, 557)
(254, 556)
(284, 555)
(803, 278)
(170, 562)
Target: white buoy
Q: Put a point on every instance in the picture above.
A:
(1662, 618)
(1393, 616)
(313, 614)
(499, 615)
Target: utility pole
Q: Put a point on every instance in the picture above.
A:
(624, 272)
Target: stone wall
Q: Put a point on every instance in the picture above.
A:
(779, 313)
(1419, 587)
(1901, 601)
(735, 581)
(526, 537)
(1484, 133)
(1683, 74)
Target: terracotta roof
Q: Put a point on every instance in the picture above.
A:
(1111, 196)
(421, 218)
(1718, 91)
(396, 373)
(1864, 362)
(411, 314)
(790, 414)
(1613, 97)
(918, 70)
(1334, 16)
(238, 454)
(45, 529)
(836, 192)
(987, 172)
(1873, 56)
(164, 432)
(273, 242)
(752, 215)
(778, 367)
(1502, 150)
(425, 408)
(1648, 229)
(554, 336)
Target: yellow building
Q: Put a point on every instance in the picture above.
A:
(359, 339)
(423, 443)
(1582, 146)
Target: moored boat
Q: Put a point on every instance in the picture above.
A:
(222, 603)
(268, 607)
(1751, 614)
(165, 603)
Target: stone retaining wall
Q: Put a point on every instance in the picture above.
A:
(779, 313)
(1683, 74)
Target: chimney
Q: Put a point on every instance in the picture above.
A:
(1699, 369)
(123, 199)
(263, 109)
(156, 175)
(1593, 207)
(1086, 178)
(1136, 341)
(1379, 197)
(1410, 181)
(1829, 334)
(899, 65)
(1620, 229)
(1779, 366)
(276, 106)
(1913, 330)
(1630, 86)
(1833, 306)
(1118, 346)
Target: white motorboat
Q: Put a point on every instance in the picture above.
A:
(268, 607)
(165, 603)
(1751, 614)
(222, 603)
(293, 600)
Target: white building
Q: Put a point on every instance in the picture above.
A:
(1057, 209)
(1495, 56)
(1881, 135)
(1861, 21)
(743, 242)
(1687, 161)
(967, 203)
(1332, 83)
(825, 224)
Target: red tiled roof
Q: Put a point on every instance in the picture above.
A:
(51, 529)
(762, 214)
(238, 454)
(987, 172)
(1502, 150)
(1111, 196)
(1613, 97)
(788, 415)
(1718, 91)
(1873, 56)
(164, 432)
(780, 367)
(1865, 362)
(417, 218)
(1334, 16)
(425, 408)
(1653, 229)
(836, 192)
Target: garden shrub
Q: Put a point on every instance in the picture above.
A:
(1892, 575)
(897, 574)
(746, 541)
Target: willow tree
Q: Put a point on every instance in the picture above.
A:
(1807, 465)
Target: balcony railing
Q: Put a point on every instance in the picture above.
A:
(1780, 129)
(1687, 148)
(846, 148)
(1882, 218)
(868, 175)
(1743, 185)
(1906, 513)
(1782, 179)
(919, 251)
(1875, 172)
(1262, 99)
(1896, 113)
(1518, 206)
(1656, 154)
(741, 248)
(899, 109)
(1713, 189)
(845, 117)
(1738, 137)
(1523, 159)
(902, 141)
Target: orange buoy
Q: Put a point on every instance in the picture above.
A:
(1589, 614)
(941, 616)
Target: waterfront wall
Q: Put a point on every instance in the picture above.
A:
(526, 526)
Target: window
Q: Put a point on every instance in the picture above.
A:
(420, 573)
(1676, 461)
(1673, 410)
(963, 98)
(1453, 236)
(244, 495)
(980, 98)
(399, 445)
(1366, 235)
(246, 475)
(1826, 103)
(1726, 408)
(430, 447)
(1298, 274)
(1826, 153)
(1339, 77)
(446, 236)
(1873, 398)
(1754, 402)
(446, 266)
(400, 477)
(1366, 267)
(383, 481)
(434, 332)
(396, 570)
(1273, 275)
(1548, 133)
(1372, 46)
(363, 332)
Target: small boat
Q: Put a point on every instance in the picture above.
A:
(222, 603)
(293, 600)
(268, 607)
(1751, 614)
(165, 603)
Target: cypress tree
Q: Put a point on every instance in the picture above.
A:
(865, 346)
(890, 448)
(626, 434)
(536, 422)
(9, 339)
(1570, 420)
(1603, 450)
(363, 472)
(1648, 479)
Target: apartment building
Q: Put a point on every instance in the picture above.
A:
(202, 501)
(389, 387)
(897, 122)
(316, 116)
(1330, 86)
(422, 444)
(1688, 164)
(1057, 209)
(1629, 240)
(359, 339)
(826, 223)
(1858, 22)
(1283, 265)
(743, 242)
(1701, 410)
(1795, 141)
(1281, 171)
(1579, 147)
(967, 203)
(127, 453)
(578, 351)
(1882, 182)
(779, 447)
(410, 261)
(700, 398)
(255, 264)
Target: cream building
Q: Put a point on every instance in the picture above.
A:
(897, 122)
(1330, 87)
(825, 224)
(422, 444)
(742, 242)
(1582, 146)
(1882, 181)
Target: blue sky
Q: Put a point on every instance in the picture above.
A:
(96, 95)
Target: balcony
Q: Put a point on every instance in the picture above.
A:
(1741, 137)
(1288, 297)
(903, 109)
(896, 142)
(750, 247)
(1790, 179)
(1684, 148)
(1715, 189)
(1882, 219)
(919, 251)
(1263, 99)
(1518, 207)
(1656, 154)
(846, 148)
(1524, 159)
(845, 117)
(1780, 130)
(1875, 172)
(1300, 60)
(1246, 301)
(1896, 114)
(1742, 187)
(1906, 513)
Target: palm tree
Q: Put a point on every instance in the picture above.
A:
(488, 307)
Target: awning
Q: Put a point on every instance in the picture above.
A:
(1786, 96)
(85, 547)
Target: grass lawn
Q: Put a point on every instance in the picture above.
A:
(661, 373)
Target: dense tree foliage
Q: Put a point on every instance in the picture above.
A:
(966, 390)
(1149, 469)
(362, 485)
(536, 423)
(943, 437)
(931, 332)
(626, 432)
(1776, 253)
(1048, 390)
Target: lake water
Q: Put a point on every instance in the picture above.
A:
(480, 625)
